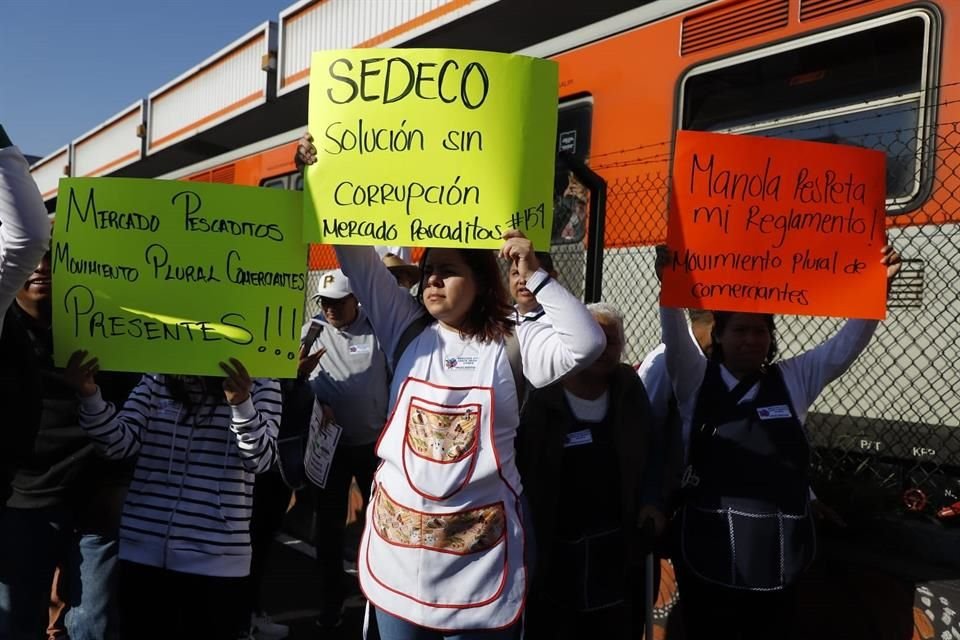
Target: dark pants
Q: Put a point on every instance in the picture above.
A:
(714, 612)
(549, 613)
(612, 623)
(271, 497)
(331, 510)
(158, 604)
(34, 542)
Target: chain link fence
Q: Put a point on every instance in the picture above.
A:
(887, 433)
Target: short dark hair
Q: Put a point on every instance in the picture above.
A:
(720, 321)
(489, 317)
(208, 391)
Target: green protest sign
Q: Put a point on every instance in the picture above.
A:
(174, 277)
(430, 147)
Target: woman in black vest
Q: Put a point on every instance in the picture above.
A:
(744, 531)
(582, 452)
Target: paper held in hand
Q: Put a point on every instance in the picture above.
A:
(321, 445)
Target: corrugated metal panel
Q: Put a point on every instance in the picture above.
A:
(315, 25)
(732, 22)
(223, 174)
(112, 145)
(48, 171)
(810, 9)
(228, 83)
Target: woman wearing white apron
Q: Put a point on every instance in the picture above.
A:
(442, 554)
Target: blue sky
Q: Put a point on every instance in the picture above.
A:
(68, 65)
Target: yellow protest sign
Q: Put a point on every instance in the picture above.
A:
(430, 147)
(174, 277)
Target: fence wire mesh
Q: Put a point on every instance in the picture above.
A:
(887, 433)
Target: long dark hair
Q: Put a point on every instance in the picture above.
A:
(488, 319)
(720, 321)
(210, 388)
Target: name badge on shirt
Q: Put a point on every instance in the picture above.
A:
(358, 349)
(578, 438)
(462, 362)
(774, 412)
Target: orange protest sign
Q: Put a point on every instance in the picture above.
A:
(768, 225)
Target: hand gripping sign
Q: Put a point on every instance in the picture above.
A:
(174, 277)
(767, 225)
(430, 147)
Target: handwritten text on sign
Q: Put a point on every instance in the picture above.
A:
(430, 147)
(174, 277)
(776, 226)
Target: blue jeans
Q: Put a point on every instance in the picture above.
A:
(27, 568)
(393, 628)
(91, 573)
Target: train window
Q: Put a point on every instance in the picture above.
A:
(863, 85)
(571, 199)
(280, 182)
(293, 181)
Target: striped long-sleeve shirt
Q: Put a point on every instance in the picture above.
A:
(190, 501)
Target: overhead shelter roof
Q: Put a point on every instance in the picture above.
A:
(255, 87)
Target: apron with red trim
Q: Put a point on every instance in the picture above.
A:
(443, 545)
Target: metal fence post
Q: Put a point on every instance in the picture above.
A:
(593, 288)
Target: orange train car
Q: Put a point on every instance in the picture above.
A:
(876, 73)
(882, 74)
